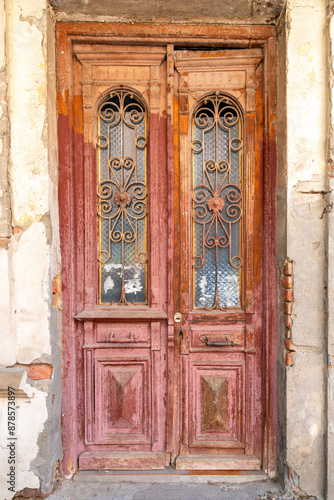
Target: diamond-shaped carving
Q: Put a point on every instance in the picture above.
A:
(214, 403)
(120, 397)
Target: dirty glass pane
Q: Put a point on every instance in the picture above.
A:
(122, 198)
(217, 209)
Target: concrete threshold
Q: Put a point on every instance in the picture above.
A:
(171, 475)
(167, 484)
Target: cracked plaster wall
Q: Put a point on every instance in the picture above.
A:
(330, 257)
(29, 242)
(302, 234)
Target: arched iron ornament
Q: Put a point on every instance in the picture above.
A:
(121, 198)
(217, 196)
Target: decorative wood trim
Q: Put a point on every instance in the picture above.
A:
(161, 34)
(270, 297)
(71, 143)
(214, 62)
(89, 404)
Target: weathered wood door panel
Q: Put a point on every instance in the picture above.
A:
(219, 129)
(166, 225)
(125, 259)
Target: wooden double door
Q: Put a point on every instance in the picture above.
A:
(167, 231)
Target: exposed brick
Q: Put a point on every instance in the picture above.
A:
(287, 281)
(29, 493)
(287, 307)
(56, 291)
(288, 358)
(39, 371)
(17, 230)
(287, 320)
(56, 285)
(290, 351)
(4, 243)
(287, 269)
(287, 294)
(288, 345)
(330, 166)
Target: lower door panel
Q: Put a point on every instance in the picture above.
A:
(124, 397)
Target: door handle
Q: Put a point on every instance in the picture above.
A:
(218, 343)
(132, 338)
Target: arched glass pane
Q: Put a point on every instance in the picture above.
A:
(122, 199)
(217, 209)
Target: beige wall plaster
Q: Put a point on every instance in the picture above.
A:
(31, 294)
(30, 249)
(25, 265)
(5, 212)
(53, 146)
(7, 342)
(305, 421)
(31, 414)
(330, 256)
(306, 238)
(27, 73)
(306, 151)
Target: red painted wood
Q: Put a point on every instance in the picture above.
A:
(118, 369)
(271, 320)
(128, 386)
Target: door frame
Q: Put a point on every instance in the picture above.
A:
(70, 127)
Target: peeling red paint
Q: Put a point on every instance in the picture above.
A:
(74, 238)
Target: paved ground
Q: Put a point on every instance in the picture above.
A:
(107, 489)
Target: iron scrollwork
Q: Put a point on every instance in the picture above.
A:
(122, 196)
(217, 198)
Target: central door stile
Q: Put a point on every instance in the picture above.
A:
(172, 427)
(184, 256)
(158, 254)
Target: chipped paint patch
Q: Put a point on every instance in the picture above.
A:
(133, 285)
(108, 284)
(306, 50)
(310, 80)
(41, 93)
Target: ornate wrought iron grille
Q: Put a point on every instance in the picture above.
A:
(121, 199)
(217, 210)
